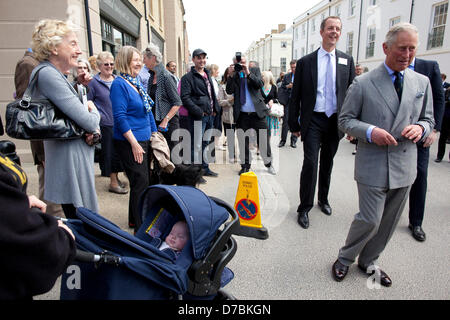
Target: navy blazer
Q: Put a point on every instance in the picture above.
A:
(304, 92)
(431, 70)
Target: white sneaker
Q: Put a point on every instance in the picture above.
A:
(271, 170)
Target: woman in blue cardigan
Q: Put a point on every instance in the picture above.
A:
(133, 126)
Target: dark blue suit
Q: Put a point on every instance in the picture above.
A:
(418, 192)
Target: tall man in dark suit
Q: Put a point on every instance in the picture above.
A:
(321, 80)
(284, 97)
(418, 191)
(250, 111)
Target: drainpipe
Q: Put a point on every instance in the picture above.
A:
(359, 31)
(307, 35)
(88, 27)
(146, 20)
(412, 9)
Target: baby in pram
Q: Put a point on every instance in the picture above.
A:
(176, 239)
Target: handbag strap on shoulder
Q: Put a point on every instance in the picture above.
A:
(27, 94)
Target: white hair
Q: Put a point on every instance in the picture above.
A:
(153, 50)
(393, 32)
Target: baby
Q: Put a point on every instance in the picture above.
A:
(177, 237)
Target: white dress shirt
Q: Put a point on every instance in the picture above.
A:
(322, 61)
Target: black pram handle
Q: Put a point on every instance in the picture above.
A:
(105, 257)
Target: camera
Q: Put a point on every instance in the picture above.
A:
(237, 65)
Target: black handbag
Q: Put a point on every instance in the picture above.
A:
(39, 119)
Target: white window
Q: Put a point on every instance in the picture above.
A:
(303, 31)
(370, 48)
(283, 64)
(352, 8)
(373, 2)
(313, 25)
(311, 48)
(337, 11)
(283, 44)
(303, 52)
(436, 36)
(394, 21)
(350, 43)
(296, 34)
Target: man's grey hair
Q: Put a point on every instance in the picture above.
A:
(391, 36)
(153, 50)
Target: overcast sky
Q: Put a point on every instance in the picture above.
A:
(222, 27)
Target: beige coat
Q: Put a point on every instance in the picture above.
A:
(226, 102)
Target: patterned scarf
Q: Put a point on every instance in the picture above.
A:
(148, 102)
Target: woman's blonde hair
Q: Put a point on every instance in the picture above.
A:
(124, 57)
(47, 35)
(102, 56)
(268, 77)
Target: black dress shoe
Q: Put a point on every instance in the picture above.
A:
(325, 208)
(281, 144)
(303, 219)
(293, 145)
(417, 233)
(339, 271)
(437, 160)
(210, 173)
(385, 281)
(243, 170)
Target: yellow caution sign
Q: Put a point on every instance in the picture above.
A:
(248, 208)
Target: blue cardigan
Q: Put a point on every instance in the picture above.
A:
(99, 95)
(129, 112)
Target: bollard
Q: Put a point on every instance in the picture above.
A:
(248, 208)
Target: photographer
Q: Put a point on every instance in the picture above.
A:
(250, 110)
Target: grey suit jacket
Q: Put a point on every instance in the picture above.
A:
(372, 100)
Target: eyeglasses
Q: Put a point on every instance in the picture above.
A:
(108, 64)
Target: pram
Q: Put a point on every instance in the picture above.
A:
(112, 264)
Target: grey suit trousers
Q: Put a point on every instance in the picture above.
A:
(372, 228)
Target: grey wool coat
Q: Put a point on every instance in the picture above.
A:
(69, 164)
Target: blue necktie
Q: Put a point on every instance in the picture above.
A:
(242, 95)
(329, 94)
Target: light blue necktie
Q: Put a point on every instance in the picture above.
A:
(329, 93)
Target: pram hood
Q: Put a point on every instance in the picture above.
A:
(203, 216)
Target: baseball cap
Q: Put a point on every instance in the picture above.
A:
(198, 52)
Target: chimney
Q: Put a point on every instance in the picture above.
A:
(281, 28)
(274, 31)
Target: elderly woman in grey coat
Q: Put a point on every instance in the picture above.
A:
(162, 88)
(69, 174)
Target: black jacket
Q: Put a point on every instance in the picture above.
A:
(194, 95)
(285, 93)
(304, 92)
(254, 85)
(34, 251)
(431, 70)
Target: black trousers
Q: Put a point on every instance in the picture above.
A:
(174, 124)
(109, 159)
(247, 121)
(417, 195)
(445, 131)
(321, 137)
(69, 210)
(285, 126)
(138, 175)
